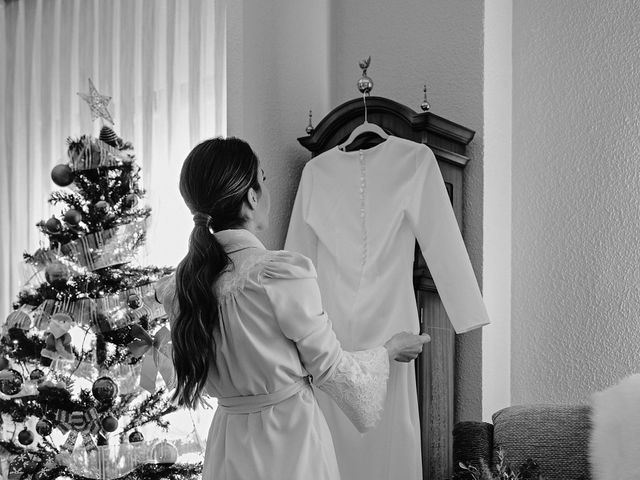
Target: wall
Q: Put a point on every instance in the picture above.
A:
(576, 144)
(277, 68)
(498, 80)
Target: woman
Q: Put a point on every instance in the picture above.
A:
(247, 326)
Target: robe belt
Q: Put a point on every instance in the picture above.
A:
(256, 403)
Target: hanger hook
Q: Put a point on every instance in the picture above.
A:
(364, 100)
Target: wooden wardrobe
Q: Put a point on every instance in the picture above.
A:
(435, 368)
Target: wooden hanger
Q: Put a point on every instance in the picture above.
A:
(364, 127)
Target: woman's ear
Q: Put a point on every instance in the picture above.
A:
(252, 198)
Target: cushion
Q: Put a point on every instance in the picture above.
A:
(556, 437)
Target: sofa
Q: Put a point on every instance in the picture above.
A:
(556, 437)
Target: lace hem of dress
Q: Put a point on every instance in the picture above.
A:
(359, 386)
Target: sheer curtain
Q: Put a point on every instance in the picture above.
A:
(163, 63)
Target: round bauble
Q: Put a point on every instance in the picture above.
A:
(44, 427)
(134, 301)
(57, 274)
(36, 375)
(19, 319)
(25, 437)
(130, 200)
(110, 423)
(136, 436)
(4, 363)
(62, 175)
(53, 226)
(104, 389)
(165, 452)
(11, 383)
(102, 207)
(72, 217)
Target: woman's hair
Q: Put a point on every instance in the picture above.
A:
(214, 182)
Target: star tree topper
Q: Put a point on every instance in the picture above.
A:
(98, 103)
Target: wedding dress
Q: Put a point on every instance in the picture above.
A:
(274, 340)
(357, 216)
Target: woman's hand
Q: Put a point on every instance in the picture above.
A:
(405, 346)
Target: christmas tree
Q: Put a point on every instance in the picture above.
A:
(84, 346)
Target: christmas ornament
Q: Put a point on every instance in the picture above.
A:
(108, 136)
(134, 301)
(19, 319)
(10, 382)
(58, 348)
(44, 427)
(165, 452)
(130, 200)
(53, 226)
(97, 103)
(156, 359)
(136, 436)
(104, 389)
(57, 274)
(25, 437)
(36, 375)
(110, 423)
(4, 363)
(62, 175)
(72, 217)
(102, 207)
(84, 423)
(365, 84)
(60, 324)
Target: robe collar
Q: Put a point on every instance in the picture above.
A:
(234, 240)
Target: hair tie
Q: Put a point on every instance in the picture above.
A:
(203, 220)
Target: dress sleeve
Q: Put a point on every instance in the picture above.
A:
(434, 224)
(357, 381)
(300, 236)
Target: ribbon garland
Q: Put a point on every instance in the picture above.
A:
(107, 247)
(84, 311)
(79, 423)
(95, 153)
(156, 361)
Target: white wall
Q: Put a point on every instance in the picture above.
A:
(498, 80)
(576, 198)
(277, 70)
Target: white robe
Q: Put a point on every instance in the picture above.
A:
(357, 216)
(273, 335)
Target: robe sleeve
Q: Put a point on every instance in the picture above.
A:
(357, 381)
(433, 222)
(300, 236)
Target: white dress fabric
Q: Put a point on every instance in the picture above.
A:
(274, 339)
(357, 216)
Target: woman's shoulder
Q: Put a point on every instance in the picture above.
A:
(286, 265)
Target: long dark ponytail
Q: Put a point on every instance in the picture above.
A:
(214, 182)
